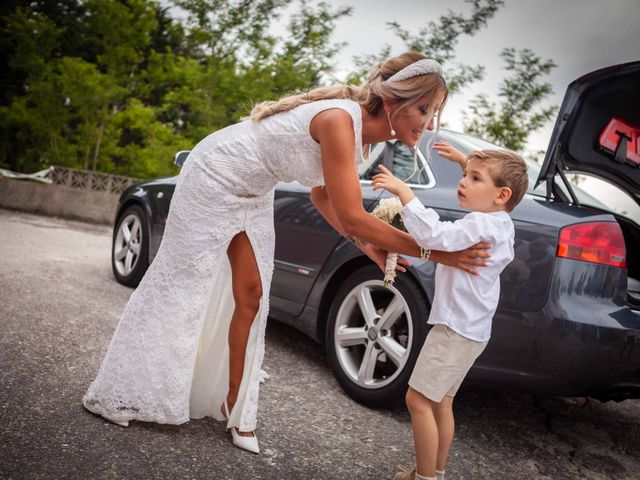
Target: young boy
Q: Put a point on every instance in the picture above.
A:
(493, 183)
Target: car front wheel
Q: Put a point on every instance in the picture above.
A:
(130, 251)
(374, 335)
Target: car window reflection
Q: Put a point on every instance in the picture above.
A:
(399, 159)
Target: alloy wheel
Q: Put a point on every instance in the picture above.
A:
(373, 334)
(127, 245)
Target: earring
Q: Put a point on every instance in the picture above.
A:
(393, 132)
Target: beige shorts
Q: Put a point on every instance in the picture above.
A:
(444, 361)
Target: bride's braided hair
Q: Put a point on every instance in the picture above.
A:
(371, 93)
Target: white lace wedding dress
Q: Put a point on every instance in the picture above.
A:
(168, 360)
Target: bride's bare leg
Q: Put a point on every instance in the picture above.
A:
(247, 291)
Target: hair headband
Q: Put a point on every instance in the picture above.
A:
(421, 67)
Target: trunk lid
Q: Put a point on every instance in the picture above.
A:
(598, 130)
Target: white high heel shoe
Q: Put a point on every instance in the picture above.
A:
(122, 423)
(250, 444)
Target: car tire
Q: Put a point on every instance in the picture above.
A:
(374, 335)
(130, 247)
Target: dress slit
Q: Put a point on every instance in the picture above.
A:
(210, 381)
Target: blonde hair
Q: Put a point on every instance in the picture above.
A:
(507, 169)
(372, 93)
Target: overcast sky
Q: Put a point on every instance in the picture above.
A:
(579, 35)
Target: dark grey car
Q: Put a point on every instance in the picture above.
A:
(568, 322)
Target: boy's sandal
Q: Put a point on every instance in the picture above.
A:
(404, 473)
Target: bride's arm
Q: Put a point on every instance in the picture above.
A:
(333, 129)
(321, 201)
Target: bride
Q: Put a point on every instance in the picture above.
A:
(190, 342)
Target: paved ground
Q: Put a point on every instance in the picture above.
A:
(59, 305)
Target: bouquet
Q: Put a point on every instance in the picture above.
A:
(388, 210)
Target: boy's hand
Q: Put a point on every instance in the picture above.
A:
(392, 184)
(449, 152)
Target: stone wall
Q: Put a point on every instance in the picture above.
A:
(58, 200)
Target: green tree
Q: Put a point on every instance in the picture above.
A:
(198, 104)
(118, 34)
(223, 29)
(519, 112)
(62, 118)
(31, 39)
(60, 109)
(304, 60)
(237, 62)
(137, 144)
(119, 84)
(308, 52)
(438, 40)
(34, 30)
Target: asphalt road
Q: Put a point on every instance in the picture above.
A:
(60, 305)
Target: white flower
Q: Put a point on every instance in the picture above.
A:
(387, 209)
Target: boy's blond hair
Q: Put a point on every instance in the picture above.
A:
(507, 169)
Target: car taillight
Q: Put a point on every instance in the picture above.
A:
(597, 242)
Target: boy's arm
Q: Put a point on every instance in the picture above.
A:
(424, 224)
(396, 186)
(429, 231)
(393, 185)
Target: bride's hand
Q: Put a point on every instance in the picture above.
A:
(379, 257)
(464, 259)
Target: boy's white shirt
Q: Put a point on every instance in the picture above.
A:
(464, 302)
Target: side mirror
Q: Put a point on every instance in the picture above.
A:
(180, 157)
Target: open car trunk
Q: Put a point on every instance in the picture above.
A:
(631, 232)
(598, 132)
